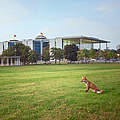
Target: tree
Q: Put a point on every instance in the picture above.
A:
(46, 54)
(54, 53)
(57, 54)
(118, 54)
(83, 55)
(60, 54)
(8, 52)
(100, 54)
(109, 54)
(80, 55)
(32, 58)
(26, 54)
(70, 52)
(92, 53)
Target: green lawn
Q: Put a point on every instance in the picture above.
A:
(54, 92)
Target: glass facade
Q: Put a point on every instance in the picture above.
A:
(85, 46)
(37, 48)
(45, 44)
(41, 42)
(10, 44)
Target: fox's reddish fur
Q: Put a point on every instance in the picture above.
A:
(90, 85)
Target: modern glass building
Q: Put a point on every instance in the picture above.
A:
(41, 42)
(37, 44)
(81, 41)
(7, 44)
(37, 48)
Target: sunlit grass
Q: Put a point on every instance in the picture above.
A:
(54, 92)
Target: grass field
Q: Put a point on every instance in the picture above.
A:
(54, 92)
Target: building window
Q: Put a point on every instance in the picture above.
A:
(37, 48)
(10, 44)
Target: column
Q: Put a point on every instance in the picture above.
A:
(7, 61)
(100, 46)
(41, 50)
(79, 44)
(92, 45)
(106, 46)
(62, 44)
(41, 46)
(18, 61)
(2, 61)
(15, 61)
(55, 43)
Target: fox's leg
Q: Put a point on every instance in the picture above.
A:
(93, 90)
(87, 88)
(99, 91)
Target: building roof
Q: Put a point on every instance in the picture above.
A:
(9, 56)
(41, 36)
(14, 40)
(84, 39)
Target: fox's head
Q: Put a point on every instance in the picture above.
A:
(84, 79)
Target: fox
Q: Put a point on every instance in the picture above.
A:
(90, 85)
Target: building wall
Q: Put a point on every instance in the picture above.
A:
(25, 42)
(52, 43)
(5, 45)
(10, 44)
(1, 47)
(56, 42)
(59, 43)
(30, 43)
(36, 45)
(37, 48)
(45, 44)
(85, 46)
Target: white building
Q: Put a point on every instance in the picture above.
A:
(6, 44)
(81, 41)
(1, 47)
(41, 41)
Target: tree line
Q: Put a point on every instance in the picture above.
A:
(70, 53)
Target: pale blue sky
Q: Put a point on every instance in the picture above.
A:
(55, 18)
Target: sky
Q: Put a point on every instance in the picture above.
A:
(59, 18)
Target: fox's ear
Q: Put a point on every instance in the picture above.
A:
(83, 77)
